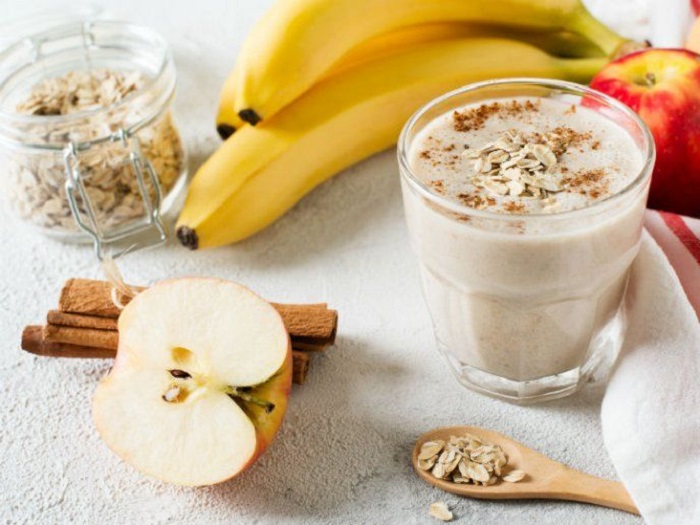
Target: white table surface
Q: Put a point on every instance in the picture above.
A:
(343, 454)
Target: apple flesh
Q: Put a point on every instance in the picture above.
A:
(663, 87)
(200, 384)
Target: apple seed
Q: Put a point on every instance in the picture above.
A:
(175, 394)
(179, 374)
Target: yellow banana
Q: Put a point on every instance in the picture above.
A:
(227, 120)
(560, 43)
(297, 41)
(261, 172)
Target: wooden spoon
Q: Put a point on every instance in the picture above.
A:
(544, 479)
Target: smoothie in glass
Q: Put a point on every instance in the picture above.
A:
(524, 201)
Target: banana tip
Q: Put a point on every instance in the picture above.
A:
(225, 130)
(188, 237)
(249, 116)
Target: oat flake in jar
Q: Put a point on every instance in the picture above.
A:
(88, 146)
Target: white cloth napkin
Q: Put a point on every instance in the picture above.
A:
(651, 410)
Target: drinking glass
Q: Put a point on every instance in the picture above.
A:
(526, 306)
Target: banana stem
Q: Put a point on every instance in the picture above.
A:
(585, 24)
(583, 69)
(564, 44)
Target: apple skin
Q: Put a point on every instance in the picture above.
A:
(277, 390)
(663, 87)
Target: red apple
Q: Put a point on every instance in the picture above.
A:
(663, 87)
(200, 383)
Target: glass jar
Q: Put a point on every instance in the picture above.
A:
(525, 306)
(88, 143)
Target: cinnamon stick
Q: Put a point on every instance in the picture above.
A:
(86, 330)
(87, 296)
(81, 321)
(88, 337)
(34, 342)
(300, 367)
(314, 325)
(312, 321)
(109, 339)
(86, 325)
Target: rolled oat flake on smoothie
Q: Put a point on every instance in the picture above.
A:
(530, 155)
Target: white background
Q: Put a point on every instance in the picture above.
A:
(343, 454)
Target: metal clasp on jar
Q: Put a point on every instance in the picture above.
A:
(144, 232)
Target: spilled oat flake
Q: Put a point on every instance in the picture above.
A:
(441, 511)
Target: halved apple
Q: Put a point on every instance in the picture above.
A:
(200, 383)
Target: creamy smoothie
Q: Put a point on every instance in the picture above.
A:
(524, 249)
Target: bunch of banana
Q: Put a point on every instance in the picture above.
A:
(298, 40)
(337, 79)
(560, 43)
